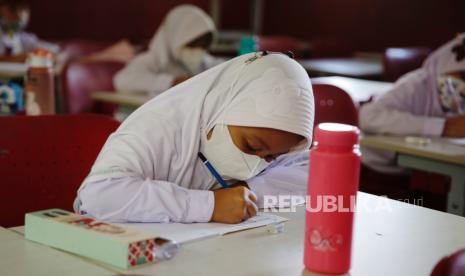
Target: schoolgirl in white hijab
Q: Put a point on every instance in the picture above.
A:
(429, 101)
(170, 58)
(149, 169)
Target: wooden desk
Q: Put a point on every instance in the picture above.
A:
(359, 90)
(21, 257)
(356, 67)
(127, 102)
(438, 157)
(12, 70)
(398, 239)
(132, 100)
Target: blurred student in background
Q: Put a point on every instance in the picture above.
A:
(429, 101)
(15, 43)
(177, 52)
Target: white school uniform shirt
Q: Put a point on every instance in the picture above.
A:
(412, 107)
(149, 170)
(154, 70)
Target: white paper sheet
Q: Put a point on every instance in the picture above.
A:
(185, 233)
(456, 141)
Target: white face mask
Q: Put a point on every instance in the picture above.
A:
(193, 59)
(229, 160)
(451, 93)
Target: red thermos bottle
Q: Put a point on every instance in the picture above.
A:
(332, 188)
(39, 88)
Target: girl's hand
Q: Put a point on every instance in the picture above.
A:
(233, 205)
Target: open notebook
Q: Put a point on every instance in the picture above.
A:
(184, 232)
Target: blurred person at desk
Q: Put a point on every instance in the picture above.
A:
(15, 43)
(429, 101)
(177, 52)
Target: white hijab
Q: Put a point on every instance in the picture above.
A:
(425, 79)
(181, 25)
(446, 58)
(161, 139)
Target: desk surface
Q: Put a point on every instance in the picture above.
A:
(15, 70)
(398, 239)
(129, 99)
(438, 149)
(21, 257)
(350, 67)
(359, 90)
(10, 70)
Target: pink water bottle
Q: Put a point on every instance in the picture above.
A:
(332, 188)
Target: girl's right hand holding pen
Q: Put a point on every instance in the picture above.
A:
(233, 205)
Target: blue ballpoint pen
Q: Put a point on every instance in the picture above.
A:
(213, 171)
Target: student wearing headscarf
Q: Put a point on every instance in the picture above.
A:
(429, 101)
(252, 118)
(177, 51)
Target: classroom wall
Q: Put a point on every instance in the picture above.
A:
(367, 24)
(106, 20)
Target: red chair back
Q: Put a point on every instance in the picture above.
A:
(81, 79)
(44, 159)
(452, 265)
(334, 105)
(399, 61)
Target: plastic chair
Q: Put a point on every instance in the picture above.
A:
(452, 265)
(81, 79)
(399, 61)
(44, 159)
(332, 104)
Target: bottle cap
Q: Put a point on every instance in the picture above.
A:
(339, 135)
(40, 58)
(165, 249)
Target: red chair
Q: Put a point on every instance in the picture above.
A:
(399, 61)
(81, 79)
(280, 44)
(452, 265)
(44, 159)
(333, 104)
